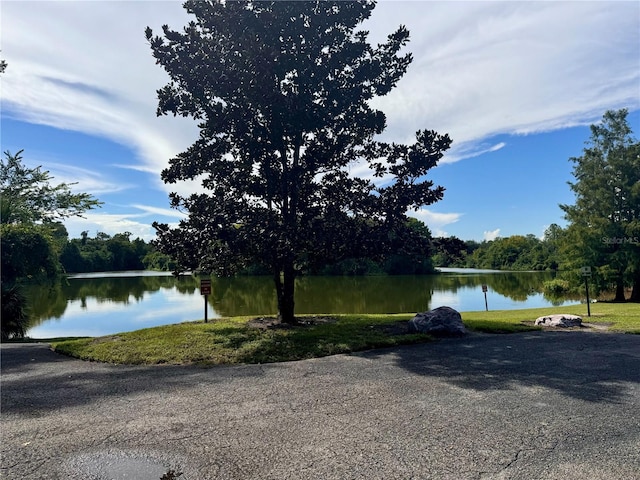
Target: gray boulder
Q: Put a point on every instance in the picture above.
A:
(441, 321)
(559, 320)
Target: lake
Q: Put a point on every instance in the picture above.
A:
(98, 304)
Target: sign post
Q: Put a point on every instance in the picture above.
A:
(586, 273)
(484, 289)
(205, 289)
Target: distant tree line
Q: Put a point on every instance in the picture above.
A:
(104, 253)
(517, 252)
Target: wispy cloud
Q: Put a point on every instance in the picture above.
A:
(488, 68)
(481, 69)
(138, 224)
(470, 150)
(80, 179)
(167, 212)
(69, 72)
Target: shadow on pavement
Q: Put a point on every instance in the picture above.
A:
(35, 379)
(593, 367)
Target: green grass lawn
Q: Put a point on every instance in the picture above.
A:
(619, 317)
(232, 341)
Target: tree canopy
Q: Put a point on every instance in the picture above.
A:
(604, 230)
(31, 237)
(281, 92)
(27, 196)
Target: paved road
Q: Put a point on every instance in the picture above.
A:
(540, 405)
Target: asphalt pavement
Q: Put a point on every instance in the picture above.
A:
(539, 405)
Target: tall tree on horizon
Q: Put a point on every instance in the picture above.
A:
(281, 92)
(604, 229)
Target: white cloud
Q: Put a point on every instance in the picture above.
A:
(139, 224)
(435, 221)
(487, 68)
(470, 150)
(68, 71)
(110, 224)
(167, 212)
(85, 180)
(480, 69)
(491, 235)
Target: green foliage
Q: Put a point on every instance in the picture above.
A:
(14, 317)
(410, 247)
(353, 267)
(399, 264)
(281, 92)
(32, 239)
(604, 229)
(517, 252)
(452, 252)
(105, 253)
(27, 252)
(71, 258)
(26, 195)
(155, 260)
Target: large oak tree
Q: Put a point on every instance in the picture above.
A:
(281, 92)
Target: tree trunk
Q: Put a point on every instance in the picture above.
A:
(619, 289)
(285, 289)
(635, 293)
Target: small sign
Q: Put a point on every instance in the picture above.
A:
(585, 271)
(205, 286)
(484, 288)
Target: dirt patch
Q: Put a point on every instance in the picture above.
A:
(598, 326)
(267, 323)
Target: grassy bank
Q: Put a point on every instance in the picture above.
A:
(618, 317)
(232, 341)
(235, 340)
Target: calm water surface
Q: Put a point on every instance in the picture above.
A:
(106, 303)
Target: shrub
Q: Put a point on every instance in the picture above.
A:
(14, 317)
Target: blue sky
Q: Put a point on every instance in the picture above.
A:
(515, 84)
